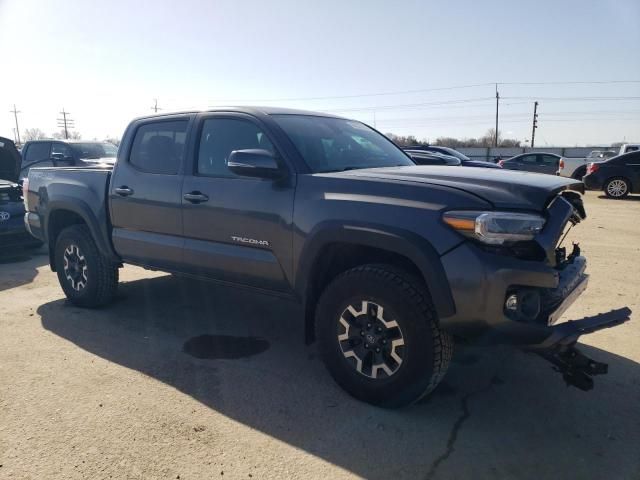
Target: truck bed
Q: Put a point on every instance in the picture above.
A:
(82, 190)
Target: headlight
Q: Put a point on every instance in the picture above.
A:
(495, 228)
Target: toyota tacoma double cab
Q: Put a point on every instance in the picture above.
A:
(391, 261)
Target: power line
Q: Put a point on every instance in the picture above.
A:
(471, 100)
(426, 90)
(569, 99)
(378, 94)
(487, 116)
(409, 105)
(601, 82)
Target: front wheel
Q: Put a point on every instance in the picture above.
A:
(616, 188)
(378, 336)
(88, 278)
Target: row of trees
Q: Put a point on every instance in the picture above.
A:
(487, 140)
(37, 134)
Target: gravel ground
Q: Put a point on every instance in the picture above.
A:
(180, 379)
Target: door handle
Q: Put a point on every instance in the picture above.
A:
(123, 191)
(196, 197)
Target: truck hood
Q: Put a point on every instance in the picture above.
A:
(9, 160)
(502, 188)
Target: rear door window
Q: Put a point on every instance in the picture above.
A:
(548, 160)
(158, 147)
(528, 159)
(632, 158)
(36, 152)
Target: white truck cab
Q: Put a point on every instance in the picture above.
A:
(629, 147)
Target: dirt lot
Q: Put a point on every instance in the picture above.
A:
(150, 388)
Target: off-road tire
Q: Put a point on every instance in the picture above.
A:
(427, 349)
(609, 191)
(101, 281)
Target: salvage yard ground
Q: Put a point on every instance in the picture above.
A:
(188, 380)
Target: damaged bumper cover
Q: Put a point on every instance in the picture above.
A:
(503, 298)
(560, 347)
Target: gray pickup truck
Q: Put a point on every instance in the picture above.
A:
(392, 261)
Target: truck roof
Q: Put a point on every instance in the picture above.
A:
(251, 110)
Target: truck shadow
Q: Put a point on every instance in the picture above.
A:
(499, 413)
(18, 266)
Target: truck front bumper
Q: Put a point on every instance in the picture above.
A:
(502, 299)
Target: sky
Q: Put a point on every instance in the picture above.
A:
(394, 65)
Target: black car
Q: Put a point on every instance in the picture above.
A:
(12, 229)
(533, 162)
(450, 152)
(617, 177)
(431, 158)
(66, 153)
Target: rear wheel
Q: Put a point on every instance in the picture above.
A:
(379, 338)
(88, 278)
(617, 187)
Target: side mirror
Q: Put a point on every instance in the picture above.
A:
(61, 160)
(254, 163)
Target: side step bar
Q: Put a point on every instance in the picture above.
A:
(560, 347)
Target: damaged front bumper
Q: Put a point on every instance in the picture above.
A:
(518, 300)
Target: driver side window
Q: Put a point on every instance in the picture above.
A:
(64, 155)
(61, 148)
(220, 137)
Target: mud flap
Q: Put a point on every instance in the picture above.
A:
(560, 347)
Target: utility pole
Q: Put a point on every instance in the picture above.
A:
(495, 143)
(65, 122)
(15, 115)
(155, 107)
(535, 124)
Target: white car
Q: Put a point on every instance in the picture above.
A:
(629, 147)
(575, 167)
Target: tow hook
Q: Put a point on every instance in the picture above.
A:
(560, 347)
(575, 367)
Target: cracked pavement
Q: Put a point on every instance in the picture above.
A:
(130, 392)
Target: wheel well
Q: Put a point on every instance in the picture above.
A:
(579, 172)
(337, 258)
(58, 221)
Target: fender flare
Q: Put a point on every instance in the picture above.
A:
(408, 244)
(100, 231)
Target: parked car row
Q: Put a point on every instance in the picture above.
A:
(435, 155)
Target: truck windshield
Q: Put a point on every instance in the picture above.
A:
(90, 150)
(334, 144)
